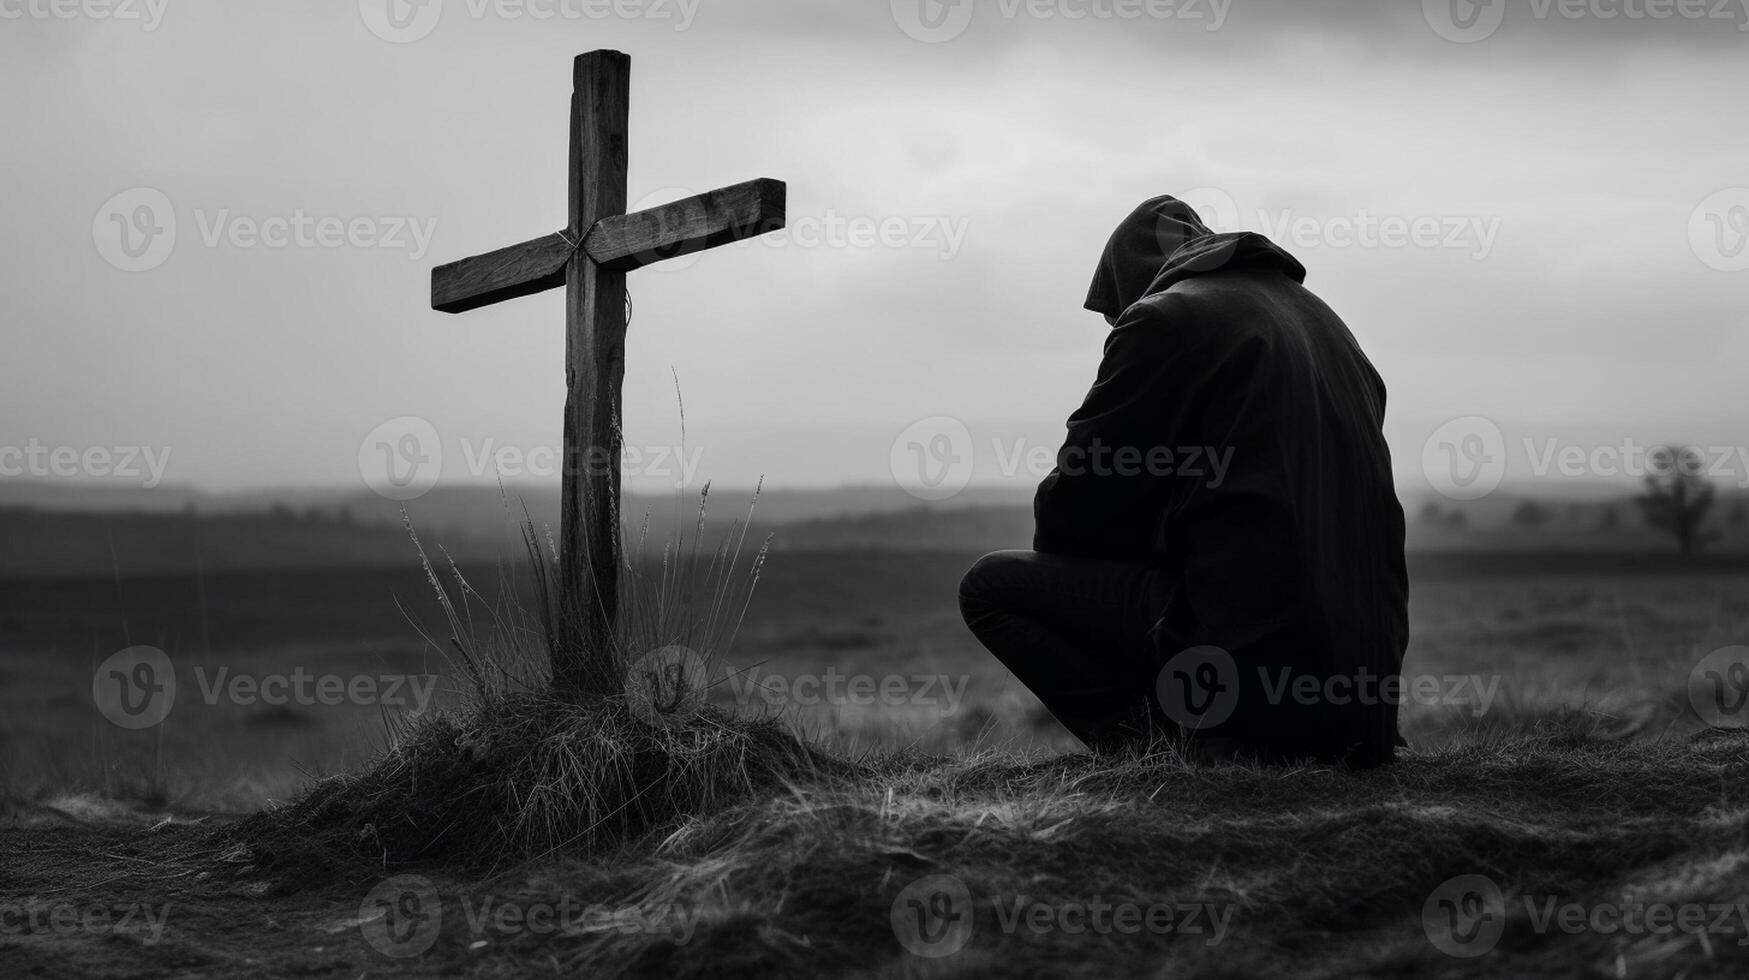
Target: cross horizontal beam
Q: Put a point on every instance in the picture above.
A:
(509, 273)
(619, 243)
(728, 214)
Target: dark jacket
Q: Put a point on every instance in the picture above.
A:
(1290, 556)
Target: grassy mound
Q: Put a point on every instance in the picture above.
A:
(516, 773)
(521, 777)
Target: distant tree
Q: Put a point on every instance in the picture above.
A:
(1609, 520)
(1678, 496)
(1531, 514)
(1457, 519)
(1739, 514)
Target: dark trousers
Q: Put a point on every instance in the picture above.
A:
(1076, 632)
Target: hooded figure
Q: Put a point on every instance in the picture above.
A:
(1225, 491)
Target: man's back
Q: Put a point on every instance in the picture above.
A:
(1294, 563)
(1284, 547)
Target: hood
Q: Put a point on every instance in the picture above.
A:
(1163, 242)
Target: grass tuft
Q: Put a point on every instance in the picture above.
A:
(520, 777)
(515, 773)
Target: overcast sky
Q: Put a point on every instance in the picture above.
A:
(951, 183)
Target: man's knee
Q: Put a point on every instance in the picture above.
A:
(982, 584)
(987, 572)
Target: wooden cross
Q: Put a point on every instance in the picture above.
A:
(590, 258)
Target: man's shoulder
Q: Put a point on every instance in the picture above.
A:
(1183, 314)
(1160, 313)
(1232, 306)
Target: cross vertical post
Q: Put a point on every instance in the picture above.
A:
(595, 332)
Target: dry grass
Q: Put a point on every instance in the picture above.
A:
(1319, 872)
(521, 778)
(750, 855)
(1311, 871)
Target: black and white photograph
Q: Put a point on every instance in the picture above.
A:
(874, 488)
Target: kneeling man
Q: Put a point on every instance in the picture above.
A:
(1219, 551)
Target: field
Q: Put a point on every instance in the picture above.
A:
(1559, 763)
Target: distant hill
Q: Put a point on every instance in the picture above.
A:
(487, 511)
(87, 535)
(46, 544)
